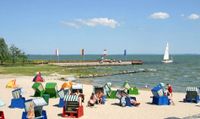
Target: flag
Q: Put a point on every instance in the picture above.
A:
(125, 52)
(105, 53)
(82, 52)
(57, 52)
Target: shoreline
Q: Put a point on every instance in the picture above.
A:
(109, 111)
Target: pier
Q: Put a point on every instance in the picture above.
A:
(96, 63)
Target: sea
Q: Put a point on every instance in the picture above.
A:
(183, 72)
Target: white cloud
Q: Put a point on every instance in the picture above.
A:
(70, 24)
(194, 16)
(160, 15)
(92, 22)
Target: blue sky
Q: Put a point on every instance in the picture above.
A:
(140, 26)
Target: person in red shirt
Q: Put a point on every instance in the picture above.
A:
(169, 93)
(169, 89)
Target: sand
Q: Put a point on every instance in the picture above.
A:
(107, 111)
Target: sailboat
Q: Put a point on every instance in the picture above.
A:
(166, 58)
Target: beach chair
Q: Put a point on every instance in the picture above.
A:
(62, 94)
(11, 84)
(111, 94)
(130, 90)
(159, 98)
(51, 89)
(1, 112)
(78, 88)
(73, 107)
(2, 115)
(34, 109)
(17, 101)
(192, 94)
(39, 89)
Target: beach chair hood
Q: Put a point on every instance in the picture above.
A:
(66, 85)
(38, 78)
(126, 85)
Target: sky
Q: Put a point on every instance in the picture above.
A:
(139, 26)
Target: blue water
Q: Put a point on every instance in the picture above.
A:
(185, 71)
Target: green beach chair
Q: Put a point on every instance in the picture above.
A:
(111, 94)
(39, 89)
(130, 90)
(51, 89)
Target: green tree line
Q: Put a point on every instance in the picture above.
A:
(11, 54)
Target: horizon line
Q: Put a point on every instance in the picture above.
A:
(123, 54)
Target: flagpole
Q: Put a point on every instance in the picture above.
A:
(57, 54)
(83, 54)
(125, 55)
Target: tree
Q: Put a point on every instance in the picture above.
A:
(23, 57)
(4, 53)
(16, 54)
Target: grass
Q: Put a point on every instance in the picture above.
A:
(31, 69)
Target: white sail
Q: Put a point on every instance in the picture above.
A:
(166, 55)
(166, 58)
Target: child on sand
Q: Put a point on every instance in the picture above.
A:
(169, 93)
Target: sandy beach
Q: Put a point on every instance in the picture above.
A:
(108, 111)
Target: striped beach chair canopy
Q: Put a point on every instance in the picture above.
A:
(192, 89)
(71, 98)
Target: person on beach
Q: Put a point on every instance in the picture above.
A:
(81, 95)
(132, 100)
(170, 93)
(93, 100)
(100, 99)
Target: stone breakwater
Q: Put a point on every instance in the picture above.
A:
(96, 63)
(118, 73)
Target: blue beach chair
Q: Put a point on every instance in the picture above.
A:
(17, 101)
(192, 95)
(159, 97)
(33, 109)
